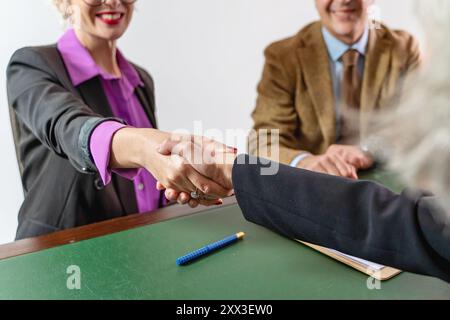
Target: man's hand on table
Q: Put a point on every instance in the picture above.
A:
(339, 160)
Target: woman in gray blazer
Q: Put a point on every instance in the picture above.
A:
(84, 126)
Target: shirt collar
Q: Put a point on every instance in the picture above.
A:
(82, 67)
(337, 48)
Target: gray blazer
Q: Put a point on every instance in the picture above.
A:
(52, 122)
(409, 231)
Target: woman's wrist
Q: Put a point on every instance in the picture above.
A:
(133, 147)
(150, 140)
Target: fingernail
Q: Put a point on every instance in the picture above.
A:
(218, 202)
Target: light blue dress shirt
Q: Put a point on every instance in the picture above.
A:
(336, 50)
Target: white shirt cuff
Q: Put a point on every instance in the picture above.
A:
(299, 158)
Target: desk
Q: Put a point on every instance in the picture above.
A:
(134, 258)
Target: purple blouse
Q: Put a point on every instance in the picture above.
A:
(124, 104)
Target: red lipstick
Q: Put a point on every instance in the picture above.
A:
(110, 18)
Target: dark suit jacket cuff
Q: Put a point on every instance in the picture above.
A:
(87, 164)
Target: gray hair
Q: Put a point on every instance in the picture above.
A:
(419, 129)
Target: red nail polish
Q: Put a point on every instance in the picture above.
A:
(218, 202)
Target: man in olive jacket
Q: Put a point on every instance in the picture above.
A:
(320, 87)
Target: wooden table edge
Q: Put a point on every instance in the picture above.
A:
(99, 229)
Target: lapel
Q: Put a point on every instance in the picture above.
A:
(378, 59)
(147, 103)
(93, 95)
(315, 66)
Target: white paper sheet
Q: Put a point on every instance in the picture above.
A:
(372, 265)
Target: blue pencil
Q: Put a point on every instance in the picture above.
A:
(209, 248)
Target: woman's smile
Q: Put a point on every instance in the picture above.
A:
(110, 17)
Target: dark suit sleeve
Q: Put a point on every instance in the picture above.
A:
(407, 231)
(56, 116)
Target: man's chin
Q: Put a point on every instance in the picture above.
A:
(345, 30)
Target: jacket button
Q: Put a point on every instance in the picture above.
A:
(98, 183)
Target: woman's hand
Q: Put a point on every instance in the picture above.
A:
(184, 198)
(138, 148)
(210, 158)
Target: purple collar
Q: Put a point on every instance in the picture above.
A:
(82, 67)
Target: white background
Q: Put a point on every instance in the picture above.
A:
(206, 57)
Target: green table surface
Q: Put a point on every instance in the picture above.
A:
(140, 264)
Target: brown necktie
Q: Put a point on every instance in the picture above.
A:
(350, 97)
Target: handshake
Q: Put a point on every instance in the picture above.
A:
(202, 170)
(197, 170)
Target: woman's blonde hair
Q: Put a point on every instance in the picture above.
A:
(63, 6)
